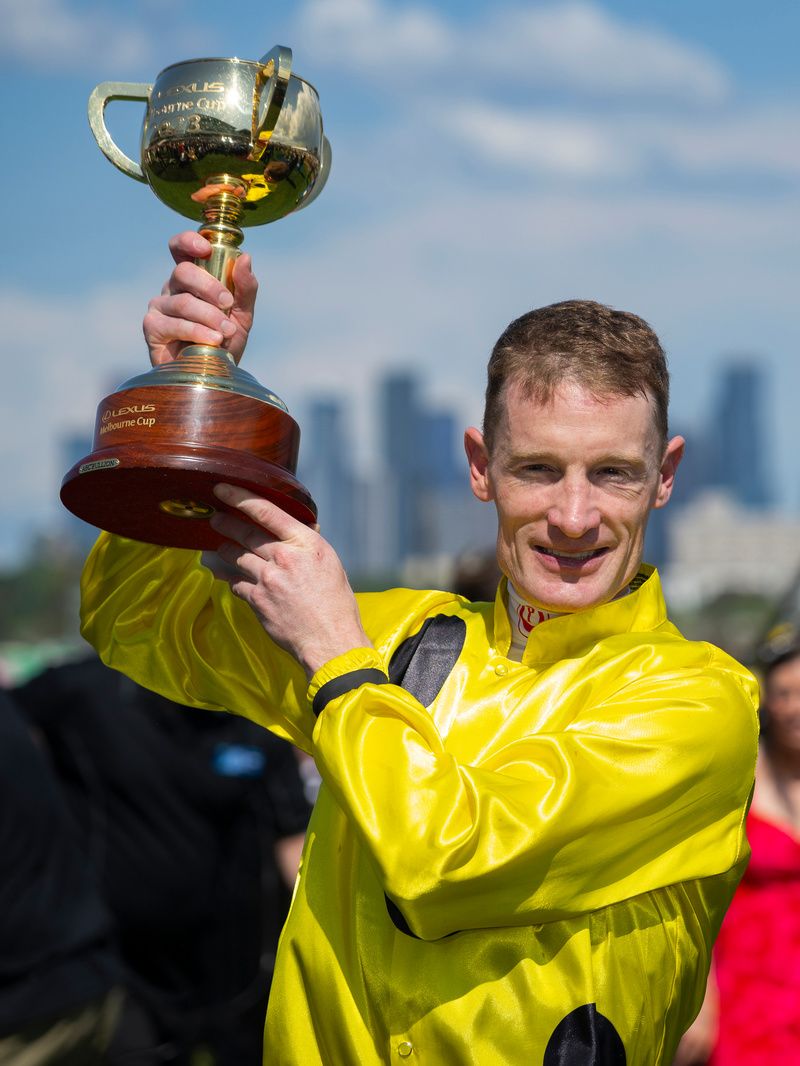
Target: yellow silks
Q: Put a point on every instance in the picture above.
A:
(544, 852)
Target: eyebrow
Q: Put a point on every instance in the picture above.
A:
(544, 456)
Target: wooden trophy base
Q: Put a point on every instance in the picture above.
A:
(159, 449)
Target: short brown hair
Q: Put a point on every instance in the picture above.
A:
(609, 352)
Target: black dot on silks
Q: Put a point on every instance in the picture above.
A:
(584, 1038)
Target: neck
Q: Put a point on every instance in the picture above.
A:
(524, 618)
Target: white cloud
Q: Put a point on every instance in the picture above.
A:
(575, 46)
(580, 46)
(564, 143)
(764, 140)
(369, 34)
(544, 143)
(54, 35)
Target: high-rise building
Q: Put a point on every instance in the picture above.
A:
(402, 446)
(429, 508)
(728, 453)
(417, 503)
(737, 435)
(440, 466)
(326, 469)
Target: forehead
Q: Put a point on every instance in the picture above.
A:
(574, 417)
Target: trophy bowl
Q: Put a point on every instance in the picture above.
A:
(230, 143)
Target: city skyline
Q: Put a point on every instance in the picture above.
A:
(413, 500)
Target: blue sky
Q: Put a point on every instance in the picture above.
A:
(487, 159)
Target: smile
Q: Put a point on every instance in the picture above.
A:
(574, 559)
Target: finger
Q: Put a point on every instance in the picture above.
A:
(245, 285)
(191, 308)
(241, 563)
(161, 330)
(264, 513)
(189, 245)
(189, 278)
(243, 533)
(222, 570)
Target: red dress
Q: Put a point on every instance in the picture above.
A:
(757, 956)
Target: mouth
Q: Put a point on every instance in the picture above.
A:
(571, 560)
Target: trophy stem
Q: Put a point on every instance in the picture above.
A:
(222, 197)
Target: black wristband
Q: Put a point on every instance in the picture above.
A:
(337, 686)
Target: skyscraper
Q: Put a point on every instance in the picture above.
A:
(737, 435)
(402, 460)
(430, 509)
(326, 469)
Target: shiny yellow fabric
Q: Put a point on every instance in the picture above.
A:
(559, 832)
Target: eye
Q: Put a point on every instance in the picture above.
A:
(536, 471)
(614, 473)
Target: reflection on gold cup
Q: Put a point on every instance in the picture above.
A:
(229, 143)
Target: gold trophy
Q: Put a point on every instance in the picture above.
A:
(229, 143)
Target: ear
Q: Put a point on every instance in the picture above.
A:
(478, 458)
(673, 454)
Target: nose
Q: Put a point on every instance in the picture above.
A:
(573, 510)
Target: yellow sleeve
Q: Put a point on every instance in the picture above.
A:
(159, 616)
(646, 788)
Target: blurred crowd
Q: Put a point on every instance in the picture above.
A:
(147, 858)
(148, 853)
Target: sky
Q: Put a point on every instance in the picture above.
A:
(487, 159)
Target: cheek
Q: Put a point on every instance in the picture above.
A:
(781, 716)
(635, 521)
(512, 512)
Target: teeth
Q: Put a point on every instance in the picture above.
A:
(577, 555)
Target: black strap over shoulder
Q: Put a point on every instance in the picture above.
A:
(337, 686)
(422, 663)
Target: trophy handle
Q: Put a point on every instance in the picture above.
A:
(276, 69)
(100, 96)
(324, 173)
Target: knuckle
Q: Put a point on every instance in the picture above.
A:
(251, 537)
(184, 305)
(183, 272)
(281, 556)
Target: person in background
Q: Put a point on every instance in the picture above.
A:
(60, 978)
(193, 822)
(751, 1013)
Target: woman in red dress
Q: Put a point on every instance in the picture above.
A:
(751, 1016)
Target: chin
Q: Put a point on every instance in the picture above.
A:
(564, 597)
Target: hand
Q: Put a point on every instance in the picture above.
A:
(290, 576)
(195, 308)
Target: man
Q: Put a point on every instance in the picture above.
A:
(530, 822)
